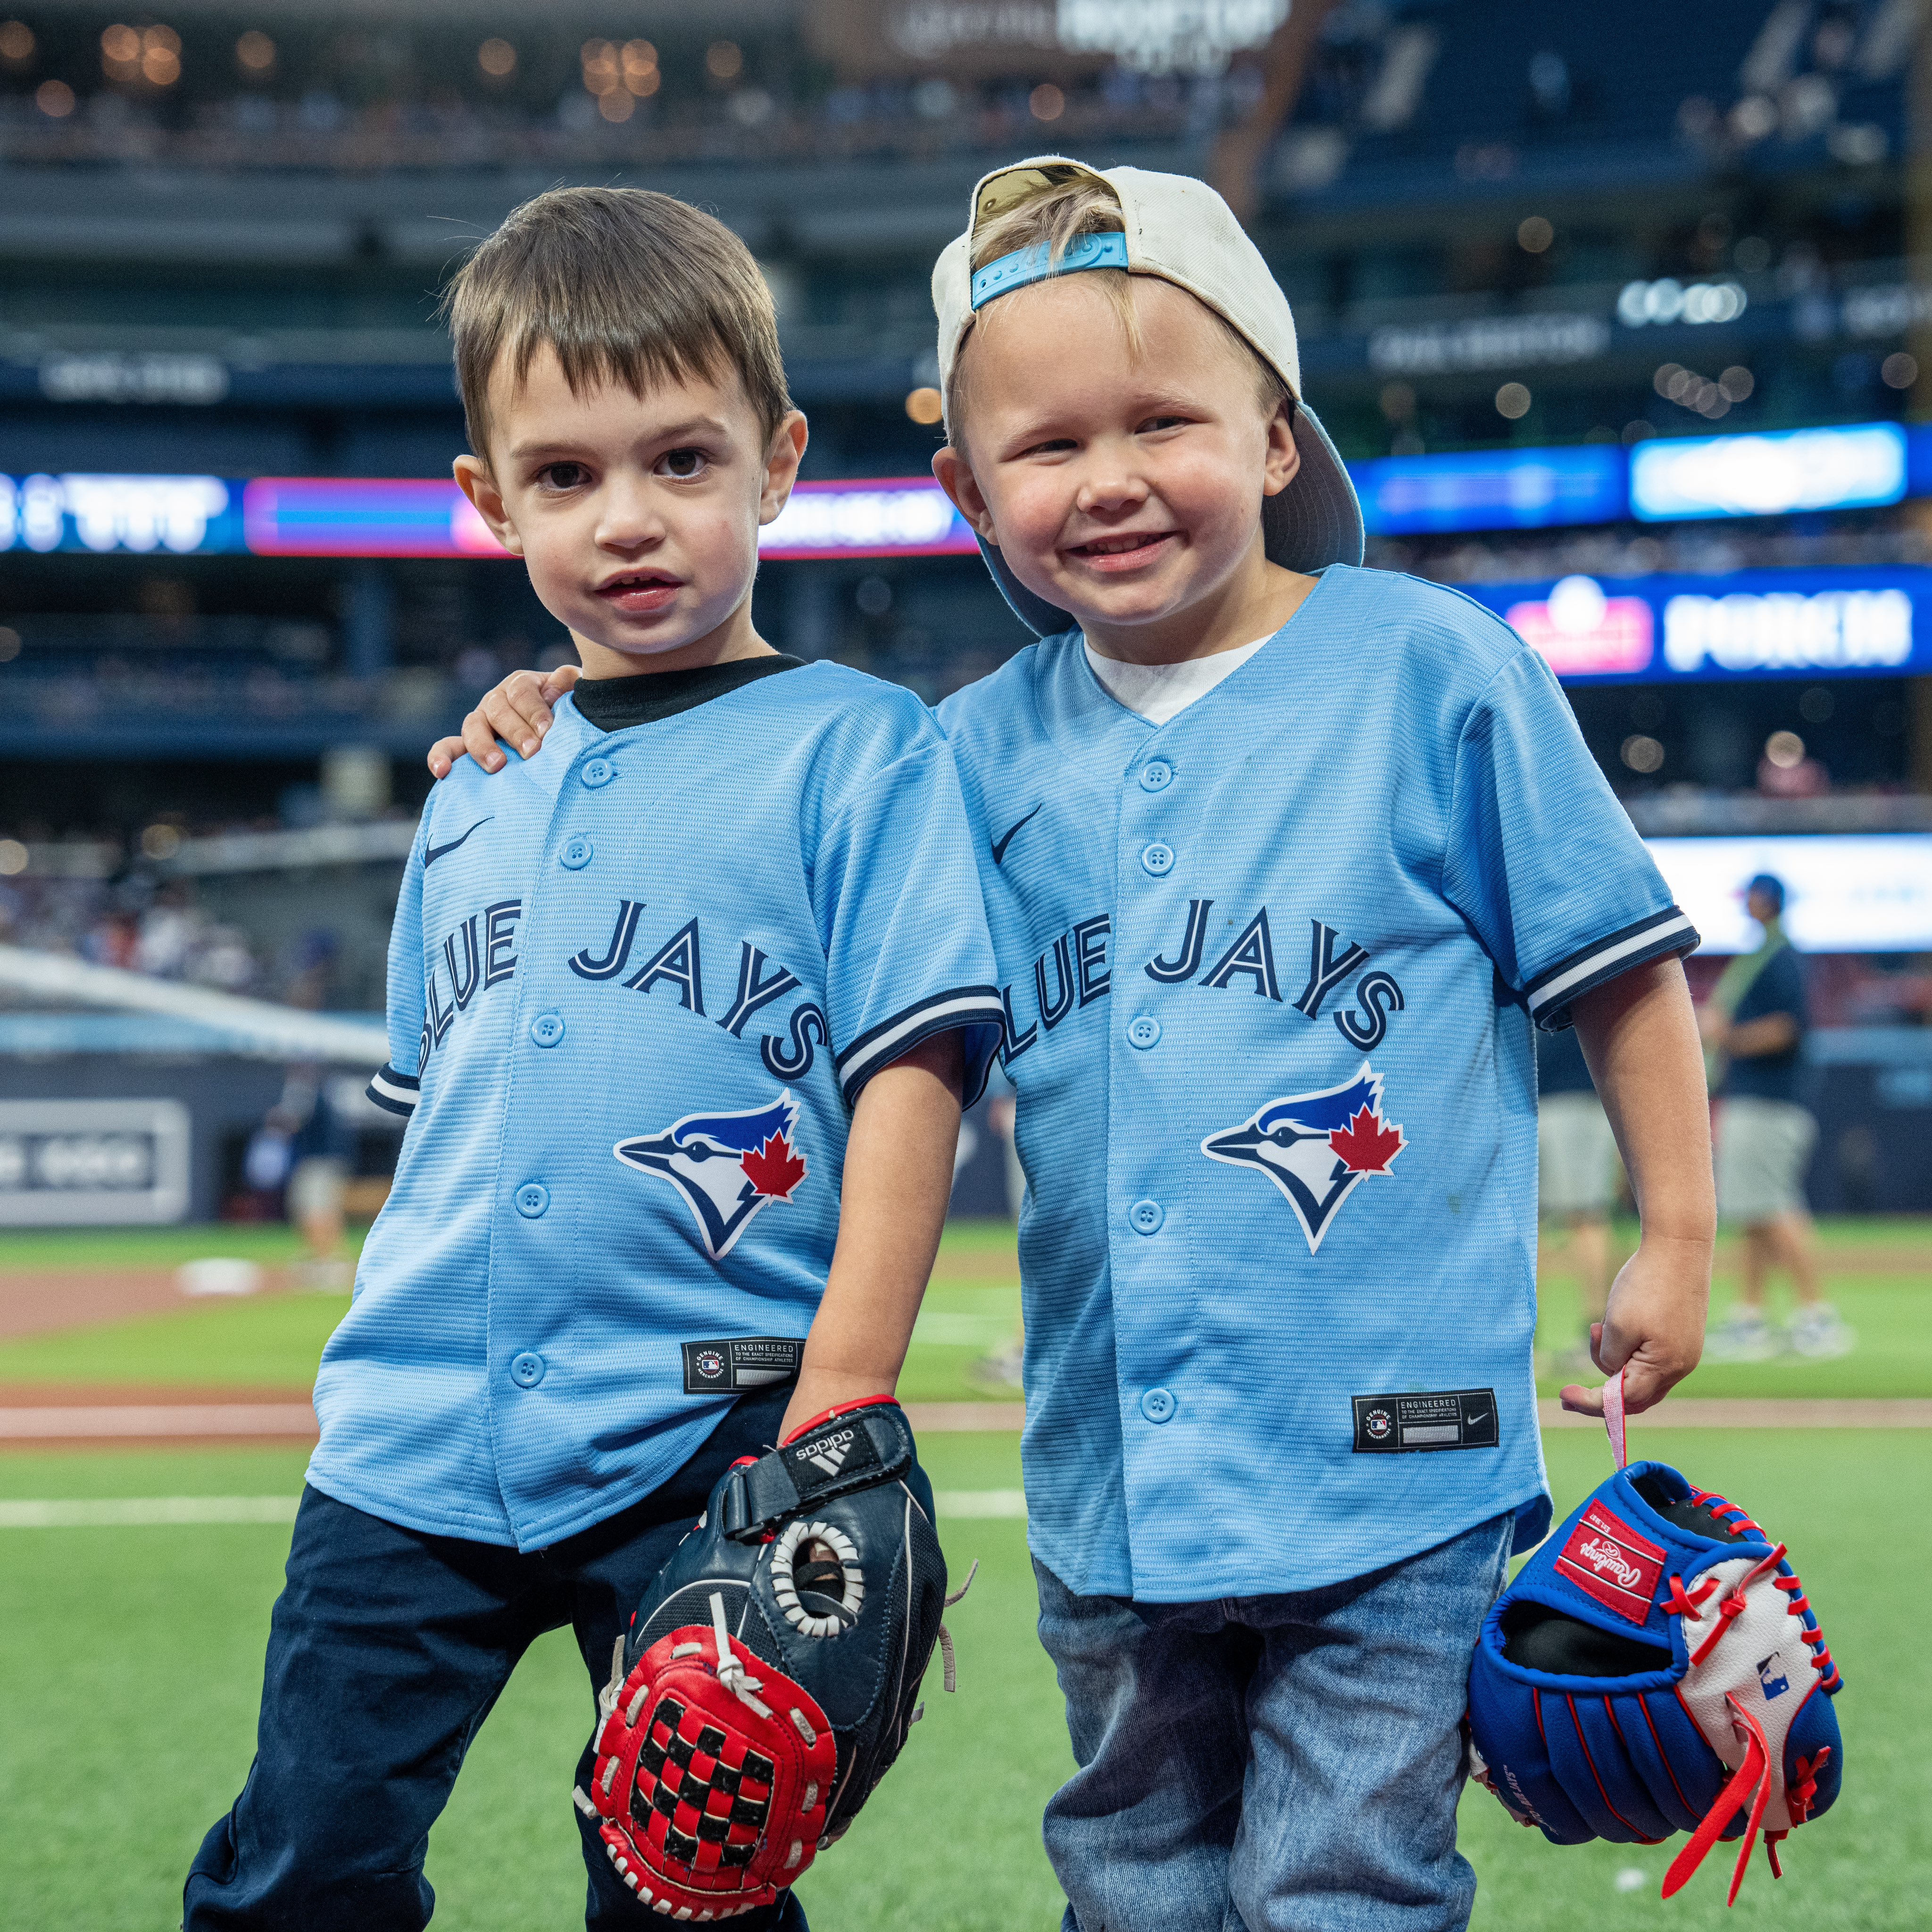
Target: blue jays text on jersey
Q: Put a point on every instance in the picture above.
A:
(1268, 973)
(635, 986)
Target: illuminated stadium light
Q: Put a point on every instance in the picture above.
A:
(906, 516)
(1583, 633)
(1673, 479)
(329, 516)
(1640, 304)
(1870, 894)
(1167, 36)
(1773, 630)
(111, 513)
(1515, 489)
(1743, 624)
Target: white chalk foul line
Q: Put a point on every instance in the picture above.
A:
(980, 1502)
(137, 1512)
(159, 1419)
(141, 1512)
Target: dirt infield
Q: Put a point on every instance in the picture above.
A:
(70, 1415)
(33, 1301)
(119, 1415)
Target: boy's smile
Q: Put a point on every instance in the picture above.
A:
(638, 516)
(1125, 486)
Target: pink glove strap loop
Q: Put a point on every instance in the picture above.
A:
(1613, 1417)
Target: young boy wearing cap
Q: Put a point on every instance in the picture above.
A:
(1282, 859)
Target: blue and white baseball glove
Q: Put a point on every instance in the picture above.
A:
(1656, 1668)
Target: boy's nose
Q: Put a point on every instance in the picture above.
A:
(1110, 487)
(629, 520)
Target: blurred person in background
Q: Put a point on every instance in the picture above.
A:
(305, 1145)
(1753, 1026)
(1576, 1177)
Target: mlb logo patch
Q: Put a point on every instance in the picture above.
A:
(1606, 1559)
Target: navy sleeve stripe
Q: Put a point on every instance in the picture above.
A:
(1551, 993)
(1650, 922)
(396, 1092)
(942, 1013)
(890, 1029)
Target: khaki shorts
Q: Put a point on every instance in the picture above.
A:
(317, 1187)
(1762, 1149)
(1576, 1156)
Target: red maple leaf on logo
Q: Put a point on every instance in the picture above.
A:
(1365, 1145)
(773, 1169)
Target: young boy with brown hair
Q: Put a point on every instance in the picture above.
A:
(681, 1018)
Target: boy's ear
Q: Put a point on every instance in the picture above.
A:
(1283, 463)
(956, 478)
(474, 480)
(781, 460)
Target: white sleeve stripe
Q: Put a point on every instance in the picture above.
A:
(388, 1090)
(948, 1011)
(1657, 938)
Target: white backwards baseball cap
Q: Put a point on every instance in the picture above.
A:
(1179, 228)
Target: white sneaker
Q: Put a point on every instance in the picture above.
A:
(1743, 1336)
(1817, 1332)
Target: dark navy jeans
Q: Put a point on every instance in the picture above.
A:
(1271, 1764)
(387, 1650)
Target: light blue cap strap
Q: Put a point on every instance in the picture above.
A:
(1035, 264)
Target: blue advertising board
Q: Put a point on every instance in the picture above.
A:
(1746, 625)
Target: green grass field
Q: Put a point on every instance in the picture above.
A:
(131, 1657)
(1879, 1274)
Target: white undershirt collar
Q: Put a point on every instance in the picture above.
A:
(1158, 692)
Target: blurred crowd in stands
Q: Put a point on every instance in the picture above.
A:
(386, 99)
(161, 928)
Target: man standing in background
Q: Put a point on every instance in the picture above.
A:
(1753, 1026)
(1577, 1177)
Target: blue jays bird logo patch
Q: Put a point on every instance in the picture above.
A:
(1316, 1147)
(728, 1167)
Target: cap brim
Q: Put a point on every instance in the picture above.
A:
(1317, 521)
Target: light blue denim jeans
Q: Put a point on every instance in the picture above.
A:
(1270, 1764)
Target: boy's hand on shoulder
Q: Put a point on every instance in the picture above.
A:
(517, 712)
(1653, 1328)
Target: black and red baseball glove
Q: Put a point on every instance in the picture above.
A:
(772, 1672)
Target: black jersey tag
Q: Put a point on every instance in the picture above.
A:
(740, 1362)
(1396, 1425)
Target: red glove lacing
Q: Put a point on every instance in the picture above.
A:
(1750, 1784)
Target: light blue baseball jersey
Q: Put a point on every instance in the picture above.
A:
(635, 986)
(1270, 972)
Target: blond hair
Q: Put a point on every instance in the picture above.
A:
(623, 285)
(1055, 216)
